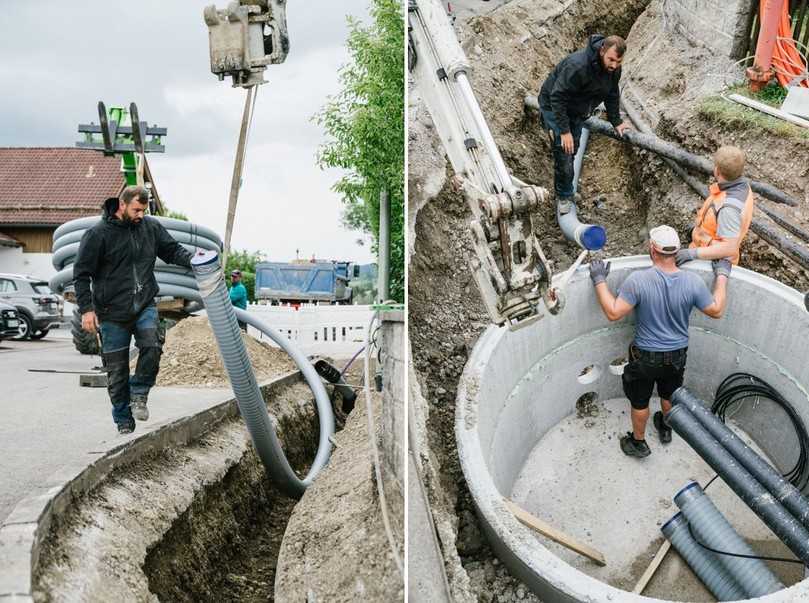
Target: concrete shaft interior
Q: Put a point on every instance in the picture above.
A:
(517, 385)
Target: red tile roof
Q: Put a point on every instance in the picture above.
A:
(50, 186)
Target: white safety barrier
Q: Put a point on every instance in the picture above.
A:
(337, 331)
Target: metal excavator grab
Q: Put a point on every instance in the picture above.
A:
(245, 37)
(509, 266)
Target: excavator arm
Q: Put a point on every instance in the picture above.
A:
(509, 267)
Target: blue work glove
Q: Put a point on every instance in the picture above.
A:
(686, 255)
(599, 269)
(722, 267)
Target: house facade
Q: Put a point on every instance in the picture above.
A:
(42, 188)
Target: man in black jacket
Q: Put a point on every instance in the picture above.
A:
(118, 256)
(576, 86)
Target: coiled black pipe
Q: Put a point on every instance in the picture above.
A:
(738, 387)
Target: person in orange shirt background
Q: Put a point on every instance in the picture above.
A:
(724, 219)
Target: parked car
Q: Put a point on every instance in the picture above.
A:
(39, 310)
(9, 321)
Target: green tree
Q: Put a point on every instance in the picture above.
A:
(365, 125)
(170, 213)
(246, 262)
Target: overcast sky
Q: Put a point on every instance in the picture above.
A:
(61, 57)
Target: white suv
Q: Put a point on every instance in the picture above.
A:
(38, 309)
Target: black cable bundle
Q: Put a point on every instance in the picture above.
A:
(740, 386)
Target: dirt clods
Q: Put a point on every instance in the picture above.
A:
(191, 357)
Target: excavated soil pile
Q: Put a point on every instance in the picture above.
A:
(191, 357)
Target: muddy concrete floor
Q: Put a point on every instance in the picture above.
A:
(577, 478)
(512, 49)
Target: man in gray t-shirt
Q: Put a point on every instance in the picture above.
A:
(663, 297)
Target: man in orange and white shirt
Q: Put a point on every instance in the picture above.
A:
(724, 219)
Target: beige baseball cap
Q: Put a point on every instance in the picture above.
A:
(665, 240)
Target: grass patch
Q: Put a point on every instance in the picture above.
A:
(726, 113)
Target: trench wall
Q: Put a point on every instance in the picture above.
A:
(716, 24)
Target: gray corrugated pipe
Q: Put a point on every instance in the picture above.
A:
(713, 530)
(223, 319)
(702, 561)
(588, 236)
(746, 487)
(173, 281)
(168, 223)
(783, 491)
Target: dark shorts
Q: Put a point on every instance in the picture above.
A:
(645, 369)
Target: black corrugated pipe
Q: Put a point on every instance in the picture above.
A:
(652, 143)
(783, 491)
(746, 487)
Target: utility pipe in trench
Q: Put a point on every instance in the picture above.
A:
(666, 149)
(673, 156)
(741, 481)
(588, 236)
(223, 318)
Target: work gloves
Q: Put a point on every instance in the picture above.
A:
(599, 269)
(685, 255)
(721, 267)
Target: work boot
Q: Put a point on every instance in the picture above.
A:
(662, 427)
(126, 428)
(138, 405)
(632, 447)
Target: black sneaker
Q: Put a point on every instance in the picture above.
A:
(632, 447)
(662, 427)
(126, 428)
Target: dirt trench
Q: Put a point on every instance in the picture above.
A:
(197, 523)
(512, 49)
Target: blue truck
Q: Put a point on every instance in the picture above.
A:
(310, 282)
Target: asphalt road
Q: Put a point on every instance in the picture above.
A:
(47, 421)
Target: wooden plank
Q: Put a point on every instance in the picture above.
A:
(170, 305)
(557, 536)
(764, 108)
(650, 571)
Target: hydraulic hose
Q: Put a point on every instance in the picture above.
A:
(746, 487)
(223, 318)
(711, 527)
(704, 563)
(783, 491)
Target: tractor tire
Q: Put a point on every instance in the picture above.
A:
(85, 343)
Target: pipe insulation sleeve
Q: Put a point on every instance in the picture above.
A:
(746, 487)
(703, 562)
(712, 529)
(223, 319)
(783, 491)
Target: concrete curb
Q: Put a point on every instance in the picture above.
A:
(26, 528)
